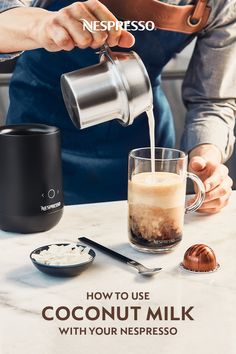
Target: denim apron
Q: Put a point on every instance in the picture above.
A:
(95, 160)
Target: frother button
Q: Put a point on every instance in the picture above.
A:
(51, 193)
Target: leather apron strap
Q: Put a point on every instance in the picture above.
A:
(186, 19)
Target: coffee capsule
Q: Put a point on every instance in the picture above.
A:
(200, 258)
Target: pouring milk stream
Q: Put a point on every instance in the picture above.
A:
(119, 85)
(151, 123)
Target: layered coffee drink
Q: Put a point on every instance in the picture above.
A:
(156, 202)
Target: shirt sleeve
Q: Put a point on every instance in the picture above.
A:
(10, 4)
(209, 88)
(4, 6)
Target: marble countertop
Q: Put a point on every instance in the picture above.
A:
(24, 291)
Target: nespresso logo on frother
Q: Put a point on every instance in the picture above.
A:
(51, 206)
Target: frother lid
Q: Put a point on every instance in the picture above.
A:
(27, 129)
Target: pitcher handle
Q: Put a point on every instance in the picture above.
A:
(106, 50)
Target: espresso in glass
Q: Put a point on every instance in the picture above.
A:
(156, 209)
(156, 200)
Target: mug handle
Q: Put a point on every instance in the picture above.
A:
(200, 194)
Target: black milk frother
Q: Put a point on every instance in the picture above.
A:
(31, 196)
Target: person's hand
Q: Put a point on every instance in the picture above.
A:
(205, 162)
(63, 30)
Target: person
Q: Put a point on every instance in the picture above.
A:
(53, 40)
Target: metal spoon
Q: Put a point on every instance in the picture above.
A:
(120, 257)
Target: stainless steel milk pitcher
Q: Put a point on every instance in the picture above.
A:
(116, 88)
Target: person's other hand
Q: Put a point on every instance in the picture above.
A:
(63, 30)
(205, 162)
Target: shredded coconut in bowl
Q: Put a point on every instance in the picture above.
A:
(64, 255)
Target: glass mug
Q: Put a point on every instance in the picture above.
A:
(156, 201)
